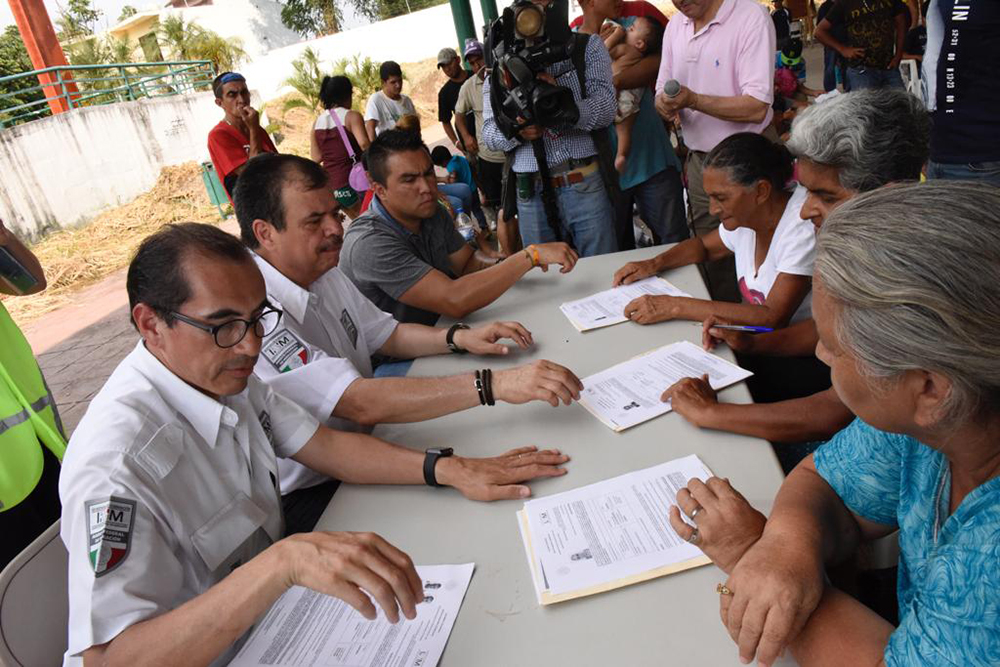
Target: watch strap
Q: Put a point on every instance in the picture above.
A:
(450, 337)
(431, 457)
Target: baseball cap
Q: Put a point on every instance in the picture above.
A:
(473, 48)
(446, 55)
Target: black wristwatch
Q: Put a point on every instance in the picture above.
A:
(450, 338)
(431, 457)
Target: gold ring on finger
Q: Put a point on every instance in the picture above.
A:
(722, 589)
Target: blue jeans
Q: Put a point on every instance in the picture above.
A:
(829, 69)
(469, 200)
(860, 78)
(984, 172)
(660, 200)
(584, 211)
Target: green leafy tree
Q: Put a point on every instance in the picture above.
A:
(225, 54)
(120, 50)
(363, 74)
(14, 60)
(379, 10)
(77, 19)
(128, 11)
(186, 40)
(306, 81)
(311, 18)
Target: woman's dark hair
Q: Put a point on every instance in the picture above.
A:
(156, 274)
(748, 157)
(336, 91)
(389, 68)
(386, 144)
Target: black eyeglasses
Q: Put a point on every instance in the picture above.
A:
(232, 332)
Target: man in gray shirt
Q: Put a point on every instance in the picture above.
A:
(404, 253)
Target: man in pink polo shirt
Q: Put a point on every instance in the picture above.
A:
(722, 54)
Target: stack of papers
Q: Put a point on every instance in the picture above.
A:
(608, 307)
(304, 627)
(610, 534)
(629, 393)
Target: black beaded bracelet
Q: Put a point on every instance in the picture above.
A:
(488, 386)
(480, 389)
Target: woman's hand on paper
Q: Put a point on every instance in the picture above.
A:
(649, 309)
(692, 398)
(727, 524)
(634, 271)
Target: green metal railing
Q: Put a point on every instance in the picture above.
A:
(102, 84)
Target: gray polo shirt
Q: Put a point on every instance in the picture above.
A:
(383, 259)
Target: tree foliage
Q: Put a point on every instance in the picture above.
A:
(77, 19)
(311, 18)
(128, 11)
(14, 60)
(379, 10)
(186, 40)
(363, 74)
(306, 80)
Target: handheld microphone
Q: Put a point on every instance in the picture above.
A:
(671, 88)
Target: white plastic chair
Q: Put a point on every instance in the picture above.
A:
(34, 605)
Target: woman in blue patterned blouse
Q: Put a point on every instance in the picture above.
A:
(907, 306)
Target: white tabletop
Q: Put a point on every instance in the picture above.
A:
(672, 620)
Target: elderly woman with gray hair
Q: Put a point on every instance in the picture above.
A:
(850, 144)
(907, 308)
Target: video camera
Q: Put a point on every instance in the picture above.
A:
(520, 45)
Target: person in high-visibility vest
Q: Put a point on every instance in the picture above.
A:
(32, 443)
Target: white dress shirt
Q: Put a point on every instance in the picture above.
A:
(324, 342)
(165, 491)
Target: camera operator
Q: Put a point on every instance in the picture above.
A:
(566, 197)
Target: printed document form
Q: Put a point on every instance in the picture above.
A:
(608, 307)
(609, 534)
(304, 627)
(629, 393)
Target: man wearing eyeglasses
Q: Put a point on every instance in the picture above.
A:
(320, 354)
(238, 136)
(171, 508)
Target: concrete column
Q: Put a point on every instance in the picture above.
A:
(489, 10)
(44, 50)
(465, 26)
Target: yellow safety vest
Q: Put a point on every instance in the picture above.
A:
(27, 417)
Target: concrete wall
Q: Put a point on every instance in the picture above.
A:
(60, 171)
(406, 38)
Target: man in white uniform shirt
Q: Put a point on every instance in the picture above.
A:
(320, 354)
(171, 511)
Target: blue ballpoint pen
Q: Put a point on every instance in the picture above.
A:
(743, 328)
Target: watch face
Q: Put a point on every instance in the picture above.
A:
(441, 451)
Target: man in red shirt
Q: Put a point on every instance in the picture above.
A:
(238, 136)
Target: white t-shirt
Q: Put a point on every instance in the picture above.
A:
(324, 342)
(792, 250)
(164, 491)
(386, 111)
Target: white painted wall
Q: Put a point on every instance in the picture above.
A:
(60, 171)
(256, 22)
(407, 38)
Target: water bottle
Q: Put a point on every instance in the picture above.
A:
(464, 224)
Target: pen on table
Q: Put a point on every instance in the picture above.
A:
(743, 328)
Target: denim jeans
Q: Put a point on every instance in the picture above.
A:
(984, 172)
(584, 211)
(469, 200)
(861, 78)
(660, 200)
(829, 69)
